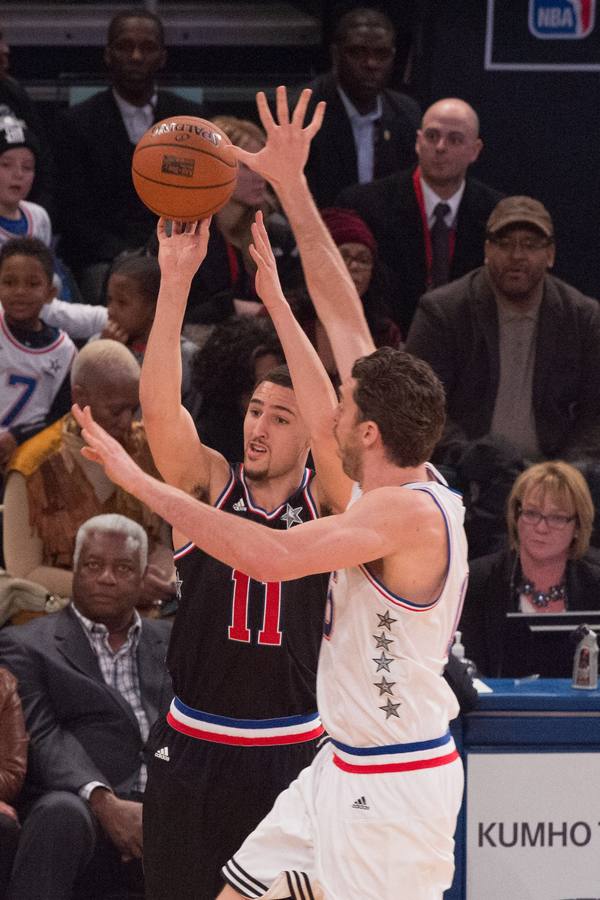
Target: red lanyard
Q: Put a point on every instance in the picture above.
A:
(234, 266)
(418, 188)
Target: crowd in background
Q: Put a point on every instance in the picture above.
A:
(445, 266)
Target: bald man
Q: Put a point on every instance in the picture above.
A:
(429, 221)
(51, 489)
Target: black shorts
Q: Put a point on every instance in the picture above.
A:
(201, 801)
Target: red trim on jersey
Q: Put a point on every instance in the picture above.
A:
(20, 346)
(418, 189)
(396, 767)
(218, 738)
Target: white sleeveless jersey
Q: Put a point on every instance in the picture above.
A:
(30, 377)
(379, 680)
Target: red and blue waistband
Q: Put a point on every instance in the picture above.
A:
(243, 732)
(395, 757)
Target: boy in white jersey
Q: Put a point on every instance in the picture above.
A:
(374, 815)
(35, 358)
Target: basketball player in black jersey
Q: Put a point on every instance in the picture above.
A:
(243, 653)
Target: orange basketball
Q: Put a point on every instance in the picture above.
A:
(181, 168)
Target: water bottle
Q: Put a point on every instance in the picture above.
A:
(585, 663)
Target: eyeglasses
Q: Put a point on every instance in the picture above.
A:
(554, 520)
(527, 245)
(361, 260)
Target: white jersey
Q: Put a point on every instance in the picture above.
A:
(38, 224)
(30, 377)
(379, 680)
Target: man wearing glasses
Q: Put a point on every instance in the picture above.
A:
(517, 350)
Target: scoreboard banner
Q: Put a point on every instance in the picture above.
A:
(542, 35)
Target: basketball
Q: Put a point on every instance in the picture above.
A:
(182, 169)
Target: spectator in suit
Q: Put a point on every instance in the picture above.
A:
(429, 222)
(13, 764)
(369, 130)
(92, 681)
(518, 350)
(101, 215)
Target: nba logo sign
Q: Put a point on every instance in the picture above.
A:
(562, 18)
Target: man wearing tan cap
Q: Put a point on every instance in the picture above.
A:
(517, 349)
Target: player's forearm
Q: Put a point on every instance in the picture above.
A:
(262, 553)
(160, 384)
(331, 288)
(312, 386)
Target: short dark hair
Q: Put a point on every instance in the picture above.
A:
(29, 246)
(280, 375)
(117, 20)
(144, 270)
(362, 15)
(405, 399)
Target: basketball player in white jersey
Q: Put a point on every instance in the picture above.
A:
(374, 815)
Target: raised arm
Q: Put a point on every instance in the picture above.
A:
(179, 455)
(331, 288)
(312, 385)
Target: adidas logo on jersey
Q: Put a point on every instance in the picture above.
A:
(240, 506)
(361, 803)
(163, 753)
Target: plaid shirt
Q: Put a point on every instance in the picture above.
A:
(120, 671)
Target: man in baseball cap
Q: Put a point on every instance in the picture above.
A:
(518, 350)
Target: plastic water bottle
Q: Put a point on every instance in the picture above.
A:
(585, 663)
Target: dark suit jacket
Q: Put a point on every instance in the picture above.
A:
(100, 212)
(80, 729)
(456, 330)
(390, 208)
(332, 164)
(489, 598)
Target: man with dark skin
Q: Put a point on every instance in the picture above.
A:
(101, 215)
(369, 130)
(92, 680)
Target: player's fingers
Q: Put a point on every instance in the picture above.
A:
(204, 227)
(300, 110)
(161, 227)
(91, 454)
(317, 119)
(243, 156)
(281, 104)
(264, 112)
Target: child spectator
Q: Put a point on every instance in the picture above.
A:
(35, 358)
(131, 294)
(19, 152)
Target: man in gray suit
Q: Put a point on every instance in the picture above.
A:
(92, 681)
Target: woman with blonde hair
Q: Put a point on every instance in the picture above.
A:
(224, 284)
(547, 568)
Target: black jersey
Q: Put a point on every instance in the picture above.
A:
(240, 649)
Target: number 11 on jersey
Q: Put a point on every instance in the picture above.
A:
(270, 632)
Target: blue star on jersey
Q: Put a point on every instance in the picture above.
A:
(291, 516)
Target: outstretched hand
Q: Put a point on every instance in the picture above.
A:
(183, 250)
(103, 449)
(288, 140)
(268, 286)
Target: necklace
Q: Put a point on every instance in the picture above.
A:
(542, 599)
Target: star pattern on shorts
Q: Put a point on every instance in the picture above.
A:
(178, 585)
(385, 621)
(382, 641)
(383, 662)
(385, 687)
(391, 709)
(291, 516)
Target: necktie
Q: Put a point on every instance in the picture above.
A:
(440, 246)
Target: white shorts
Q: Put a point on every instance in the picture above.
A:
(386, 836)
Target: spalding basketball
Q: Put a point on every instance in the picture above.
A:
(181, 168)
